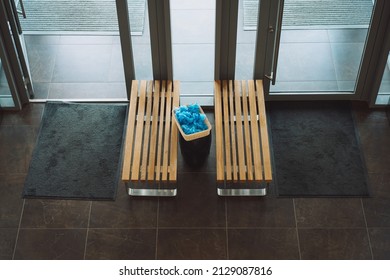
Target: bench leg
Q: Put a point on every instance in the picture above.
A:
(151, 189)
(242, 189)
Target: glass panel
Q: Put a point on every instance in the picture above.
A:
(193, 43)
(383, 97)
(78, 55)
(246, 39)
(140, 38)
(6, 99)
(322, 44)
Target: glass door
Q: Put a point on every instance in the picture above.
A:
(13, 59)
(314, 49)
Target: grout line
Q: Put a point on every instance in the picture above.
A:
(296, 228)
(158, 214)
(368, 234)
(86, 236)
(226, 230)
(17, 234)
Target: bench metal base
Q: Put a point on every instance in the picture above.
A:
(242, 189)
(151, 189)
(242, 192)
(152, 192)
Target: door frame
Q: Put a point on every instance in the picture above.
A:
(266, 54)
(13, 55)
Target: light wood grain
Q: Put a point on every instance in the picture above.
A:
(264, 131)
(174, 132)
(218, 131)
(153, 135)
(130, 132)
(139, 133)
(248, 146)
(225, 98)
(145, 152)
(240, 137)
(233, 131)
(167, 133)
(255, 132)
(160, 130)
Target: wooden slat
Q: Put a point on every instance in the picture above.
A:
(218, 131)
(240, 137)
(174, 131)
(139, 133)
(233, 131)
(145, 151)
(248, 147)
(263, 131)
(130, 132)
(153, 135)
(255, 132)
(160, 130)
(225, 98)
(168, 114)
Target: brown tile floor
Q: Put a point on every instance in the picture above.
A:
(197, 224)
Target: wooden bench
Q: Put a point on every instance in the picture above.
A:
(150, 152)
(242, 144)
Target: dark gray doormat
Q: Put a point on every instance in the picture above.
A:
(316, 150)
(80, 16)
(301, 13)
(77, 153)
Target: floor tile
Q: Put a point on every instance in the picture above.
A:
(304, 36)
(193, 26)
(125, 212)
(47, 213)
(380, 184)
(364, 116)
(247, 212)
(87, 91)
(334, 244)
(305, 62)
(190, 4)
(7, 242)
(11, 202)
(191, 244)
(82, 63)
(51, 244)
(16, 146)
(194, 67)
(31, 114)
(377, 211)
(41, 90)
(121, 244)
(302, 87)
(347, 35)
(245, 61)
(196, 204)
(41, 39)
(263, 244)
(380, 243)
(375, 145)
(86, 40)
(42, 58)
(346, 59)
(116, 73)
(142, 63)
(329, 212)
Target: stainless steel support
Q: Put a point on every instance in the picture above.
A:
(242, 192)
